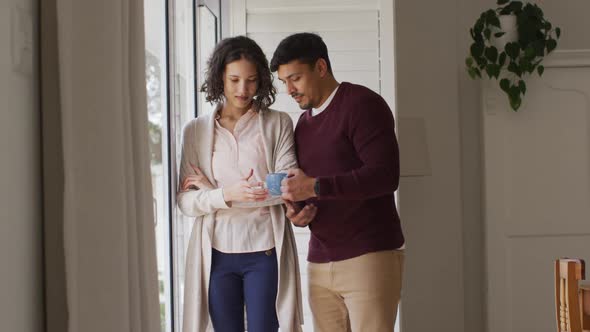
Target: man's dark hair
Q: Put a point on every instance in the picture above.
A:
(234, 49)
(305, 47)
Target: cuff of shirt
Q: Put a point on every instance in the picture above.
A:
(216, 196)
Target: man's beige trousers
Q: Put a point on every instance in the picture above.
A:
(357, 294)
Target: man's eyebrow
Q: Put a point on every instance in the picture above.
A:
(289, 76)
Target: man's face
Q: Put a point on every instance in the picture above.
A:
(302, 82)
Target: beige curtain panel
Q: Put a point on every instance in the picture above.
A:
(100, 253)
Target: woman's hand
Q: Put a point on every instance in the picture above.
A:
(198, 181)
(243, 191)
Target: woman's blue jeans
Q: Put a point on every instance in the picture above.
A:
(248, 279)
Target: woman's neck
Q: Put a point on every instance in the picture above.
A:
(232, 113)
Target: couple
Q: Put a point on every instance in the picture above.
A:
(343, 166)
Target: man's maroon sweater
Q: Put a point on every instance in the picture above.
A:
(352, 149)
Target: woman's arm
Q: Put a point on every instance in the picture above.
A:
(200, 201)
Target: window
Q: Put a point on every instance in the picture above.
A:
(157, 94)
(180, 35)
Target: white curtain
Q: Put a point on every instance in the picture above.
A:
(99, 229)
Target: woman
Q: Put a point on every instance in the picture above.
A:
(242, 250)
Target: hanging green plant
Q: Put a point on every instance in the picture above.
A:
(511, 55)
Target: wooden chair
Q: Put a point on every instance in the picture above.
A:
(568, 297)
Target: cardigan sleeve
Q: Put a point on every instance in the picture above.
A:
(284, 153)
(199, 202)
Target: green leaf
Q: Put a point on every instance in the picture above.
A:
(514, 97)
(538, 11)
(530, 68)
(502, 59)
(547, 26)
(551, 45)
(469, 61)
(493, 70)
(539, 47)
(522, 87)
(529, 52)
(487, 33)
(524, 64)
(478, 72)
(515, 6)
(499, 34)
(491, 53)
(493, 20)
(490, 13)
(502, 2)
(513, 68)
(527, 29)
(479, 25)
(558, 32)
(481, 62)
(497, 69)
(477, 50)
(515, 103)
(490, 70)
(512, 49)
(540, 70)
(474, 72)
(505, 85)
(530, 10)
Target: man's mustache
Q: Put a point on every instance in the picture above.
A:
(294, 95)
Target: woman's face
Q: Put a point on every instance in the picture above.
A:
(240, 82)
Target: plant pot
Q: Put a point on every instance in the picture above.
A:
(509, 26)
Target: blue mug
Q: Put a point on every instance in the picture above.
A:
(273, 183)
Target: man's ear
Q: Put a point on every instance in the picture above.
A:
(322, 67)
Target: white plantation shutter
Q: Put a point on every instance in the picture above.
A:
(352, 37)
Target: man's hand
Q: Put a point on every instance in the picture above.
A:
(298, 216)
(297, 186)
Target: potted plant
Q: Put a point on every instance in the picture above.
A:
(520, 55)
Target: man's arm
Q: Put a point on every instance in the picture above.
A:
(300, 214)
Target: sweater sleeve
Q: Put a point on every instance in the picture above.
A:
(195, 203)
(371, 130)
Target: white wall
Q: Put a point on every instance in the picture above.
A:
(430, 207)
(572, 17)
(442, 213)
(21, 302)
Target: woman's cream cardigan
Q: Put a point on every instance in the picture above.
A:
(197, 148)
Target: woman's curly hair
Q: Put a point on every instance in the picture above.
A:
(233, 49)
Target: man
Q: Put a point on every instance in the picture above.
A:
(349, 171)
